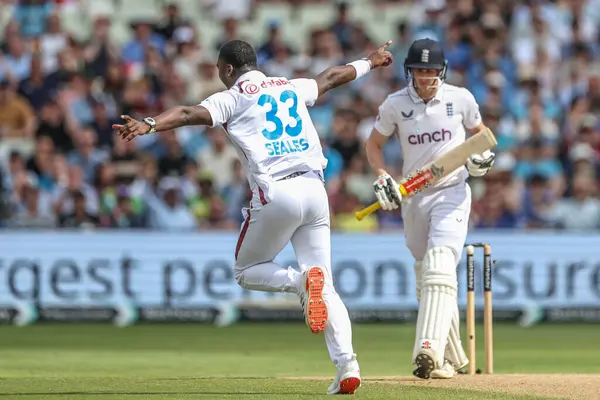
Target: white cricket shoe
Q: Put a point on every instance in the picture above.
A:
(447, 371)
(347, 379)
(311, 296)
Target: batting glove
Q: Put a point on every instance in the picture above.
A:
(387, 192)
(480, 164)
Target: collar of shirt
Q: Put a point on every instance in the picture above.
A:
(249, 75)
(417, 99)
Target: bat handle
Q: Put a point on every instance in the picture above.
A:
(360, 214)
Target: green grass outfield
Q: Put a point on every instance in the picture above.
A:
(259, 361)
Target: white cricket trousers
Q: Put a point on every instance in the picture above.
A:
(298, 212)
(439, 218)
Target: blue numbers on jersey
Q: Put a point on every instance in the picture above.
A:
(277, 147)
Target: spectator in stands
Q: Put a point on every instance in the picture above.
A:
(144, 38)
(335, 163)
(36, 88)
(99, 50)
(125, 159)
(582, 211)
(189, 52)
(217, 158)
(17, 120)
(171, 159)
(52, 43)
(281, 63)
(80, 217)
(170, 21)
(343, 28)
(532, 66)
(234, 9)
(41, 163)
(31, 209)
(538, 157)
(500, 205)
(236, 193)
(274, 41)
(217, 216)
(539, 198)
(326, 51)
(345, 135)
(64, 193)
(17, 60)
(432, 26)
(86, 154)
(102, 125)
(32, 16)
(208, 81)
(124, 214)
(166, 210)
(59, 126)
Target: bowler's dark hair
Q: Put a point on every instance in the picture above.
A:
(239, 54)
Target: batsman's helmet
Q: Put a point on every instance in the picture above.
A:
(425, 54)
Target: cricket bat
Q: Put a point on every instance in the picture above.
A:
(430, 173)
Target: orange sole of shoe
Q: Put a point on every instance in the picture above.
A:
(316, 312)
(349, 385)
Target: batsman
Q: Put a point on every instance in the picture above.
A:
(431, 117)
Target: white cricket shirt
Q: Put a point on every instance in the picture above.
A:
(428, 130)
(267, 120)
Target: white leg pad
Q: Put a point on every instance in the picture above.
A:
(418, 278)
(454, 349)
(438, 301)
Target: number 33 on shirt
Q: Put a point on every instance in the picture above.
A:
(275, 128)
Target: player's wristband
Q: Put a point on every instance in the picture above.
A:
(362, 67)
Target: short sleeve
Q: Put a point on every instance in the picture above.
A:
(385, 122)
(307, 89)
(220, 106)
(471, 115)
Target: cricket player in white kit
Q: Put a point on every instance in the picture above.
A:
(430, 117)
(268, 122)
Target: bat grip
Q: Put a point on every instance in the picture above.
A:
(360, 214)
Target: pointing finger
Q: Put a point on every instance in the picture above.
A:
(386, 45)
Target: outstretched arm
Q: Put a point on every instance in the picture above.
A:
(215, 110)
(173, 118)
(336, 76)
(179, 116)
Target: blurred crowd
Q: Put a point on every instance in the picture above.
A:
(531, 64)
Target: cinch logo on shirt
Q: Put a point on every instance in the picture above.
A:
(428, 137)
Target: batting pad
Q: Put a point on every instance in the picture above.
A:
(454, 349)
(418, 275)
(438, 301)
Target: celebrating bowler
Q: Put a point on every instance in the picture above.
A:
(268, 123)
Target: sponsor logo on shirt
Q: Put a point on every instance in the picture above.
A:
(430, 137)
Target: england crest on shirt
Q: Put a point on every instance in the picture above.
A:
(449, 110)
